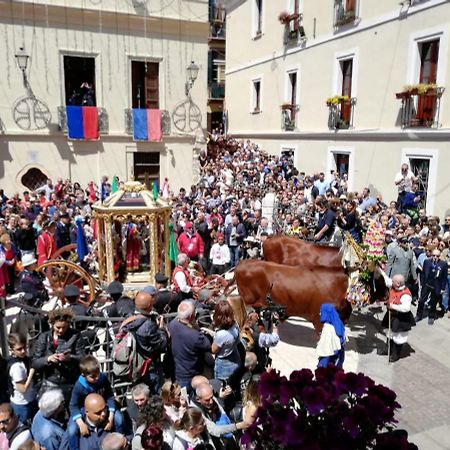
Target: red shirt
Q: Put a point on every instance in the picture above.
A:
(193, 245)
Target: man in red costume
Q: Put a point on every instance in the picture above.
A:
(399, 304)
(133, 247)
(46, 244)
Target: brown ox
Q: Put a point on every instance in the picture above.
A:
(301, 289)
(296, 252)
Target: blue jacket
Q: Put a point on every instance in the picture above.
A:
(91, 442)
(435, 277)
(82, 389)
(240, 233)
(47, 432)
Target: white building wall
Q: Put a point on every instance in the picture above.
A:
(383, 44)
(114, 33)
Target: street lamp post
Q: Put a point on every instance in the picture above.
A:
(22, 61)
(192, 73)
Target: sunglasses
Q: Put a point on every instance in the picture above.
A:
(5, 421)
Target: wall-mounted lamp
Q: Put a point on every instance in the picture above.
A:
(192, 73)
(22, 61)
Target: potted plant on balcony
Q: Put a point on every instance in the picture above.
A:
(332, 101)
(417, 89)
(284, 17)
(346, 17)
(286, 105)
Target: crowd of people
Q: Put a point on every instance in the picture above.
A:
(193, 386)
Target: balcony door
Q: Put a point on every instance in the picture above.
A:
(426, 104)
(346, 91)
(145, 84)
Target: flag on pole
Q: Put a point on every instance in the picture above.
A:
(115, 184)
(82, 122)
(173, 248)
(155, 191)
(82, 248)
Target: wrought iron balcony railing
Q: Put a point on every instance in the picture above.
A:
(341, 113)
(288, 117)
(345, 12)
(216, 91)
(420, 109)
(165, 122)
(103, 120)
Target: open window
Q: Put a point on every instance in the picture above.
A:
(145, 84)
(258, 18)
(346, 90)
(79, 80)
(33, 178)
(256, 96)
(426, 104)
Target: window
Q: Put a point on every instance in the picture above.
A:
(145, 84)
(345, 12)
(258, 17)
(33, 179)
(146, 167)
(346, 89)
(289, 110)
(426, 104)
(429, 54)
(79, 81)
(421, 169)
(424, 164)
(256, 96)
(341, 163)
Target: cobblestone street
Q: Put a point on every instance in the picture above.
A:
(420, 378)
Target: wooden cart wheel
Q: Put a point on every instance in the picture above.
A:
(71, 249)
(60, 273)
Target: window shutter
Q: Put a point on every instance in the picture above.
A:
(152, 86)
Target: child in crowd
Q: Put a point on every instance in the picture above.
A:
(91, 380)
(330, 348)
(20, 373)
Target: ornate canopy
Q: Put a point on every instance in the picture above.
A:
(133, 202)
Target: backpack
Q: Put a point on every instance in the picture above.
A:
(127, 362)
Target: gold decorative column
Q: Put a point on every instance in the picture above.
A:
(109, 250)
(166, 221)
(101, 246)
(153, 247)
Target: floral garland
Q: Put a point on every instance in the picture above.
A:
(358, 293)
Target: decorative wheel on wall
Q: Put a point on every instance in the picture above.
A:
(31, 113)
(187, 116)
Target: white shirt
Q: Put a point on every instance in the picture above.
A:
(329, 341)
(18, 372)
(404, 182)
(20, 439)
(220, 254)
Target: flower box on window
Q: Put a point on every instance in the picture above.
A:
(285, 17)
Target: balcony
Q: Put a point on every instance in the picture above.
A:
(165, 122)
(420, 106)
(288, 116)
(345, 13)
(341, 112)
(294, 32)
(216, 91)
(103, 120)
(217, 16)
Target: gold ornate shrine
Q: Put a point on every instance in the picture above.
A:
(132, 203)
